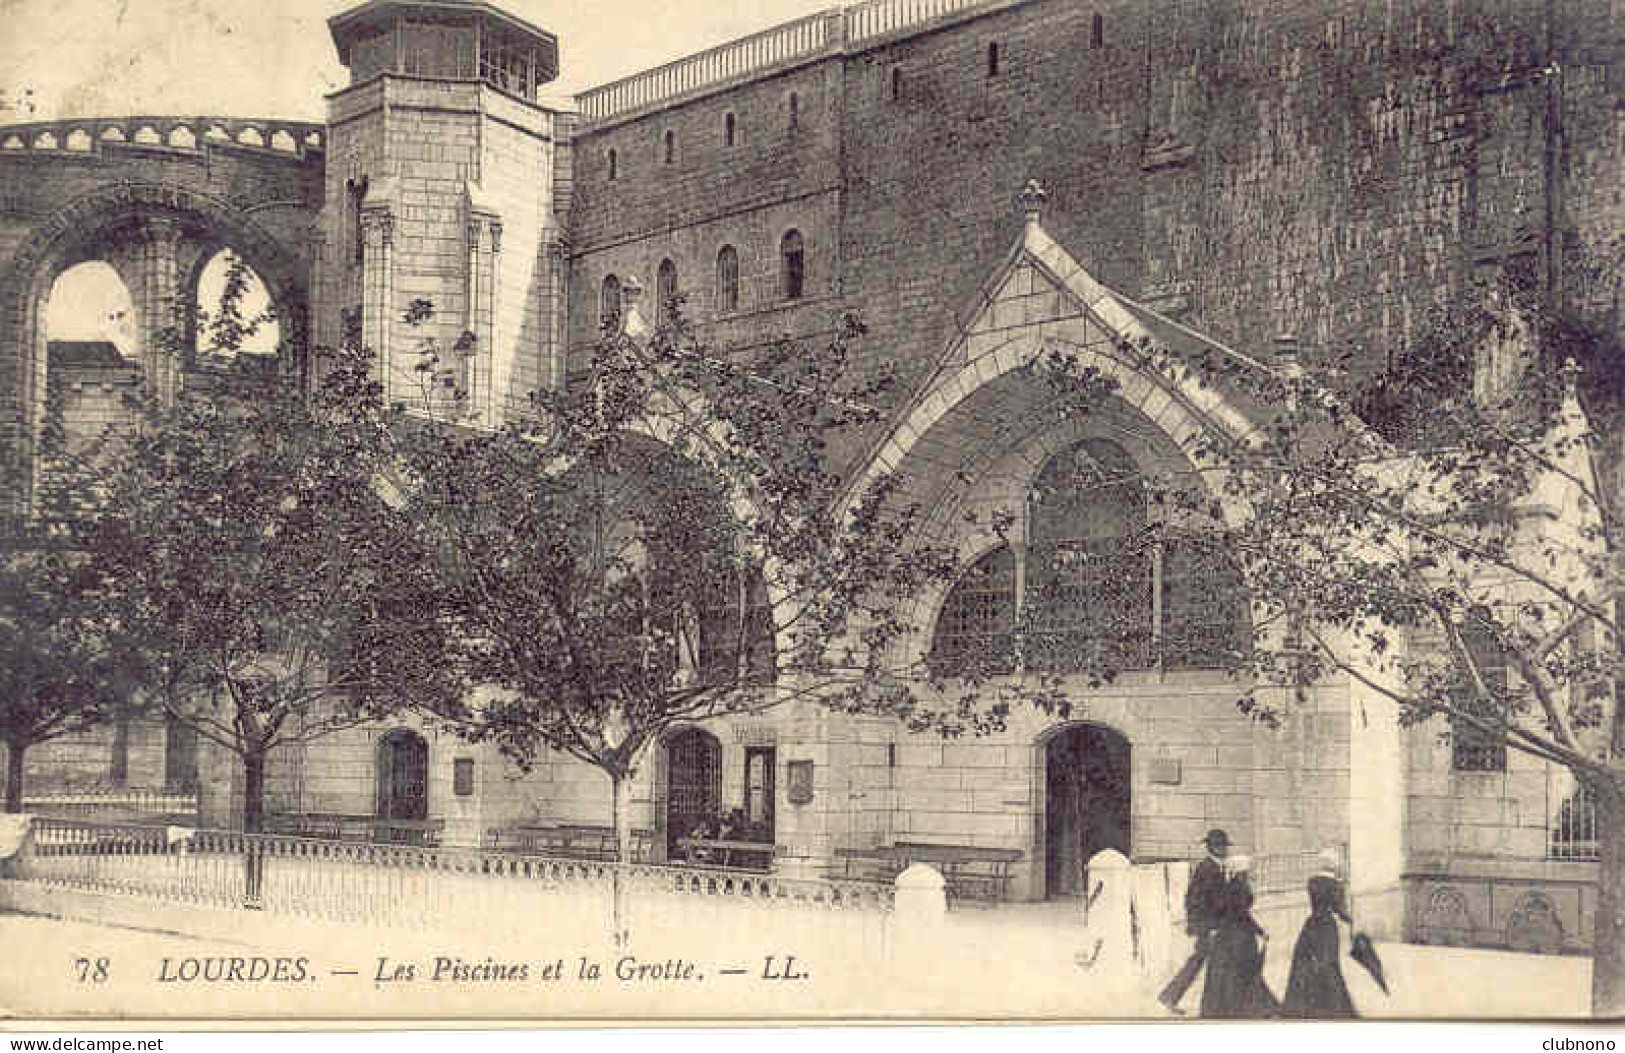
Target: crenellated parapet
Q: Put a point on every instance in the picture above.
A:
(89, 136)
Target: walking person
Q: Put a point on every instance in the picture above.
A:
(1315, 989)
(1202, 906)
(1235, 987)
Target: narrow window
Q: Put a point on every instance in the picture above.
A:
(356, 193)
(614, 167)
(727, 280)
(896, 83)
(1097, 32)
(609, 303)
(671, 147)
(728, 129)
(993, 60)
(793, 265)
(795, 111)
(1476, 741)
(666, 290)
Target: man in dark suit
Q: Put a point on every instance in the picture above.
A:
(1202, 906)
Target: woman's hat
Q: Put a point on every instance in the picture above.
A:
(1328, 863)
(1216, 838)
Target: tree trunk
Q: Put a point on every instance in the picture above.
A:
(253, 824)
(14, 776)
(621, 818)
(1608, 936)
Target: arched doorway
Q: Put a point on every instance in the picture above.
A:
(403, 776)
(1086, 803)
(693, 784)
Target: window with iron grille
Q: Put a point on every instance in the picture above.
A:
(1472, 746)
(1574, 834)
(977, 620)
(1204, 619)
(1089, 574)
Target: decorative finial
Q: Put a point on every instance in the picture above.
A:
(1032, 199)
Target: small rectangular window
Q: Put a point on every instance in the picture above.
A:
(896, 83)
(993, 60)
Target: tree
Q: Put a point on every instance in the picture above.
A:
(243, 550)
(1445, 534)
(58, 675)
(666, 542)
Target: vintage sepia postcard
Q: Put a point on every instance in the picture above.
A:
(912, 510)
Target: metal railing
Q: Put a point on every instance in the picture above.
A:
(1574, 834)
(402, 885)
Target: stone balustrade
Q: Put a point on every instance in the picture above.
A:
(294, 139)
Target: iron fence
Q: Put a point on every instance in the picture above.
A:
(414, 887)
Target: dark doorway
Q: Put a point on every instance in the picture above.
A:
(760, 787)
(1086, 779)
(180, 756)
(403, 776)
(693, 784)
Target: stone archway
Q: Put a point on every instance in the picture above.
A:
(1086, 802)
(151, 233)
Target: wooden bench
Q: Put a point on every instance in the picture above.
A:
(736, 855)
(337, 826)
(570, 841)
(971, 872)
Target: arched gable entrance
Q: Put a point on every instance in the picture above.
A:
(1087, 802)
(693, 784)
(403, 776)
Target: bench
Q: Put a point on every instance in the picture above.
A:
(970, 872)
(570, 841)
(337, 826)
(735, 855)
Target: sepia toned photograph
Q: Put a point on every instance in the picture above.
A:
(769, 512)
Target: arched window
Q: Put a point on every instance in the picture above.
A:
(974, 630)
(671, 146)
(993, 59)
(792, 265)
(609, 303)
(666, 290)
(727, 280)
(1089, 574)
(613, 160)
(729, 127)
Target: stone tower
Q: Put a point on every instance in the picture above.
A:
(442, 186)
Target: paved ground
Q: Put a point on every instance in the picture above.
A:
(983, 966)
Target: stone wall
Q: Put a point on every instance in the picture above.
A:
(1326, 169)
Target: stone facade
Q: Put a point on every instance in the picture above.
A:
(1327, 169)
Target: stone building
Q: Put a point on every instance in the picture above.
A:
(1214, 174)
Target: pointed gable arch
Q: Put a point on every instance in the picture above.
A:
(1040, 298)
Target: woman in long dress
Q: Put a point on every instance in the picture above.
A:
(1315, 989)
(1235, 988)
